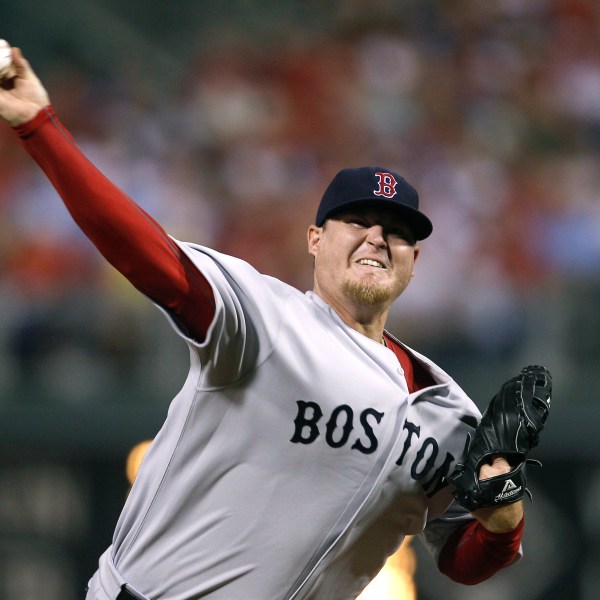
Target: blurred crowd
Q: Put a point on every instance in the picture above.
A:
(490, 108)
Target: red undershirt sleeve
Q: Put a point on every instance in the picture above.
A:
(473, 554)
(130, 239)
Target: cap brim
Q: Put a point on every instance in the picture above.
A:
(419, 224)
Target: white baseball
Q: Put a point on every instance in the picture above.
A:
(6, 64)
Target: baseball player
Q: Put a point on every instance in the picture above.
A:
(306, 441)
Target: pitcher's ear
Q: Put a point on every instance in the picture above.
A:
(313, 236)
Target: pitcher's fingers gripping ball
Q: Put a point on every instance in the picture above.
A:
(7, 68)
(509, 427)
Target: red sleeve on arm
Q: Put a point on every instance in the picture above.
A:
(127, 237)
(473, 554)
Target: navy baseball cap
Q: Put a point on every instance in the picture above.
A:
(374, 186)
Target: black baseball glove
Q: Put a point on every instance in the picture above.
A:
(510, 428)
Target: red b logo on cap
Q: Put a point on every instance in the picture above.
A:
(387, 185)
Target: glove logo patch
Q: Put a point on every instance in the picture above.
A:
(509, 489)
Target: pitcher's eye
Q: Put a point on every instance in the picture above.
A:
(354, 220)
(402, 233)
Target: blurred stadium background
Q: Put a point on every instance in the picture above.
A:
(225, 119)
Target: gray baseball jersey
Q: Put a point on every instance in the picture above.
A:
(293, 461)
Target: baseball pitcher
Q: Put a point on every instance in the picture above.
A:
(306, 441)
